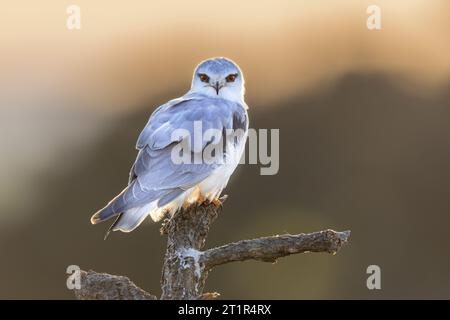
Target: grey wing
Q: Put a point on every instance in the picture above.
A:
(154, 175)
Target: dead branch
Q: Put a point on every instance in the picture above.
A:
(186, 266)
(269, 249)
(103, 286)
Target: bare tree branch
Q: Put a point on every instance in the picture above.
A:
(269, 249)
(103, 286)
(186, 266)
(183, 277)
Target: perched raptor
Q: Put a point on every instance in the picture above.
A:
(159, 182)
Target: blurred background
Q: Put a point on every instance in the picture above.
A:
(364, 119)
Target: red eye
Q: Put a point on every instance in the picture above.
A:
(231, 77)
(203, 77)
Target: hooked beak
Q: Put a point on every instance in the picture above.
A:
(217, 87)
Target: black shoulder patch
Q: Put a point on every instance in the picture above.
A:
(239, 121)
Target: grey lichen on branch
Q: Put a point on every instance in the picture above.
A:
(186, 266)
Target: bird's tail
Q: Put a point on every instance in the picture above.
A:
(130, 219)
(130, 212)
(133, 196)
(112, 209)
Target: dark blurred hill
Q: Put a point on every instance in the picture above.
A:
(360, 155)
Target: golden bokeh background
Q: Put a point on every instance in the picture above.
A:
(363, 118)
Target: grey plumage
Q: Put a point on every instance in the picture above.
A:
(154, 175)
(155, 180)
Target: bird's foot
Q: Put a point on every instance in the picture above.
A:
(218, 202)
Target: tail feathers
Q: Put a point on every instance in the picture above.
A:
(131, 210)
(103, 214)
(131, 197)
(132, 218)
(113, 208)
(111, 228)
(106, 213)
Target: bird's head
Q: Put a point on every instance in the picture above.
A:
(219, 77)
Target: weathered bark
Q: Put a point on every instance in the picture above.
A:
(103, 286)
(183, 277)
(186, 266)
(269, 249)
